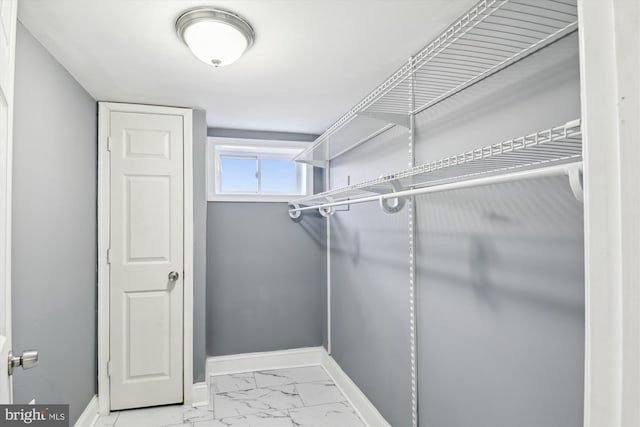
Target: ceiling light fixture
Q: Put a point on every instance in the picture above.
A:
(215, 36)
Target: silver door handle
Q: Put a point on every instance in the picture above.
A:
(28, 360)
(173, 276)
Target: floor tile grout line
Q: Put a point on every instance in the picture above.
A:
(117, 418)
(279, 385)
(295, 388)
(276, 385)
(297, 392)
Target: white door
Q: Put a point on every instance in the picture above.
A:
(8, 9)
(146, 259)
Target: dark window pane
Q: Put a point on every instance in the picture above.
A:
(238, 175)
(278, 176)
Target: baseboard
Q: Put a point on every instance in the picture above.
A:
(249, 362)
(199, 395)
(90, 414)
(367, 411)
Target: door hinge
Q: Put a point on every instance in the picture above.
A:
(109, 368)
(109, 143)
(109, 256)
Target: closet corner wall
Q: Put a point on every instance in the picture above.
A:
(265, 274)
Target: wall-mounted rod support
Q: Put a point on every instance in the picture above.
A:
(575, 181)
(295, 214)
(564, 169)
(394, 204)
(327, 211)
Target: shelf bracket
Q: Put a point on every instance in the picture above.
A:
(295, 214)
(395, 118)
(329, 210)
(316, 163)
(393, 204)
(575, 181)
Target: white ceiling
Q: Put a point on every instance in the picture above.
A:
(311, 62)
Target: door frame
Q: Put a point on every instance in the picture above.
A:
(6, 152)
(610, 107)
(104, 219)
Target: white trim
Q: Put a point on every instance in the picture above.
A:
(609, 58)
(104, 110)
(327, 174)
(249, 362)
(103, 267)
(90, 414)
(199, 395)
(313, 356)
(252, 198)
(6, 190)
(260, 148)
(187, 374)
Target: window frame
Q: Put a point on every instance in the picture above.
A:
(218, 147)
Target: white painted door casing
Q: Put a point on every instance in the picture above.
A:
(8, 19)
(610, 101)
(146, 244)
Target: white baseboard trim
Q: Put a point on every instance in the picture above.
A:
(90, 414)
(199, 395)
(248, 362)
(313, 356)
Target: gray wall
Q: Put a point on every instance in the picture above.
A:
(54, 230)
(501, 306)
(199, 244)
(370, 283)
(265, 278)
(499, 269)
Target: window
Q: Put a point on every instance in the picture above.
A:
(256, 170)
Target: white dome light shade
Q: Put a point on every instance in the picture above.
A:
(215, 42)
(216, 37)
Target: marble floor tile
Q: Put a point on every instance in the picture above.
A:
(201, 413)
(319, 393)
(294, 397)
(306, 374)
(232, 382)
(151, 417)
(331, 415)
(265, 419)
(275, 398)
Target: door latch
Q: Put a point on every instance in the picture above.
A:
(28, 360)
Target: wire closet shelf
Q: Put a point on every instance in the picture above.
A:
(491, 36)
(545, 153)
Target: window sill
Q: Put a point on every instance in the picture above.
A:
(253, 198)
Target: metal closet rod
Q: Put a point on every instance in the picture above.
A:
(569, 169)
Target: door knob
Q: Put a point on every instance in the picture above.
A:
(28, 360)
(173, 276)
